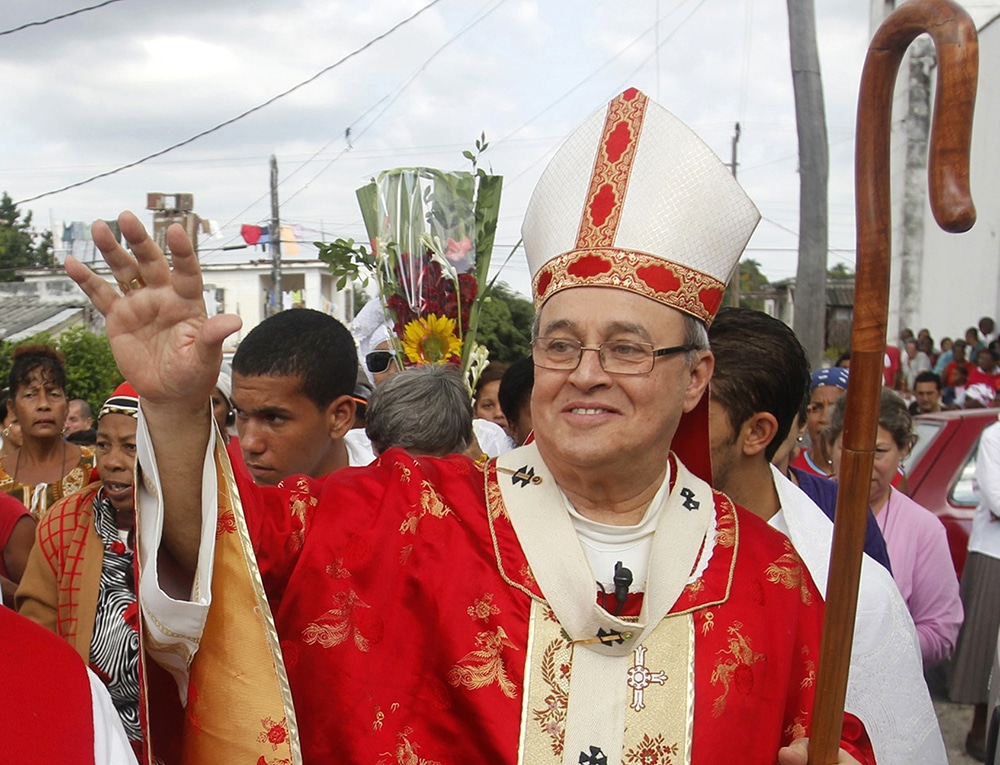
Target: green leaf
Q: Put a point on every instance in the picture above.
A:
(469, 155)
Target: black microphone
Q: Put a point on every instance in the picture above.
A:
(622, 580)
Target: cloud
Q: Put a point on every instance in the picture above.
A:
(103, 88)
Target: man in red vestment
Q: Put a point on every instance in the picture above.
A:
(585, 599)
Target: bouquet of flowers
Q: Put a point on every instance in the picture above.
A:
(431, 234)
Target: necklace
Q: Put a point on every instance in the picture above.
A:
(62, 463)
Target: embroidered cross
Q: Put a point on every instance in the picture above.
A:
(640, 678)
(690, 503)
(596, 757)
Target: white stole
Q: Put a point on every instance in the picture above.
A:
(599, 692)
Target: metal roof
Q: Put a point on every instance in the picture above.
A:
(24, 316)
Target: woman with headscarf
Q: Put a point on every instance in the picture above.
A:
(825, 387)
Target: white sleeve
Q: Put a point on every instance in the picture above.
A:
(885, 687)
(492, 438)
(111, 745)
(173, 627)
(988, 469)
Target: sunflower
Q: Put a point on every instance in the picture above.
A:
(431, 339)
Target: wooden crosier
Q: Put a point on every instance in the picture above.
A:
(954, 37)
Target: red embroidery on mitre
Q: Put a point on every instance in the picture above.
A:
(588, 267)
(602, 205)
(678, 286)
(618, 141)
(544, 280)
(711, 299)
(660, 278)
(609, 177)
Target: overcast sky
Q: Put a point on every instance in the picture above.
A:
(100, 89)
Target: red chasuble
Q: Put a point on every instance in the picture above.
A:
(413, 630)
(46, 704)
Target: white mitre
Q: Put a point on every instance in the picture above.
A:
(635, 200)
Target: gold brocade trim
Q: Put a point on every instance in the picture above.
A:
(602, 209)
(495, 509)
(659, 717)
(686, 289)
(239, 726)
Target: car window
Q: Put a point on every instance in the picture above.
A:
(927, 431)
(962, 491)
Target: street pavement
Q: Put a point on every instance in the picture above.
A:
(954, 720)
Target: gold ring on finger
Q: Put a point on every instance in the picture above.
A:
(136, 283)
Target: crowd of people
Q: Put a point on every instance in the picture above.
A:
(955, 374)
(632, 507)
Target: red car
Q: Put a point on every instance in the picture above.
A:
(941, 467)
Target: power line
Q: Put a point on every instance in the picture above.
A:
(392, 98)
(593, 74)
(238, 117)
(57, 18)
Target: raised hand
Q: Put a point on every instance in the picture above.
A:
(170, 351)
(162, 339)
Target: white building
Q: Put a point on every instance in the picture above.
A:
(239, 288)
(942, 281)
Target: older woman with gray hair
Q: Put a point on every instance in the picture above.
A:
(425, 410)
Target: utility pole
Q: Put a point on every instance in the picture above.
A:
(275, 240)
(172, 208)
(809, 320)
(733, 291)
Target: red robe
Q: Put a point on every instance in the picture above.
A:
(405, 611)
(46, 702)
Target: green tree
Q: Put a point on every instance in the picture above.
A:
(91, 372)
(505, 324)
(752, 282)
(840, 271)
(20, 245)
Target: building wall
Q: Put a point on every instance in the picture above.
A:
(243, 288)
(961, 272)
(941, 281)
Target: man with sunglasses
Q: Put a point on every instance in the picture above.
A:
(551, 607)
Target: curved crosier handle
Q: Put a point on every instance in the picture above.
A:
(954, 36)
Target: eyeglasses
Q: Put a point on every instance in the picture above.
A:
(379, 361)
(617, 356)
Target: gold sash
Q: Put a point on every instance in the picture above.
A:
(239, 705)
